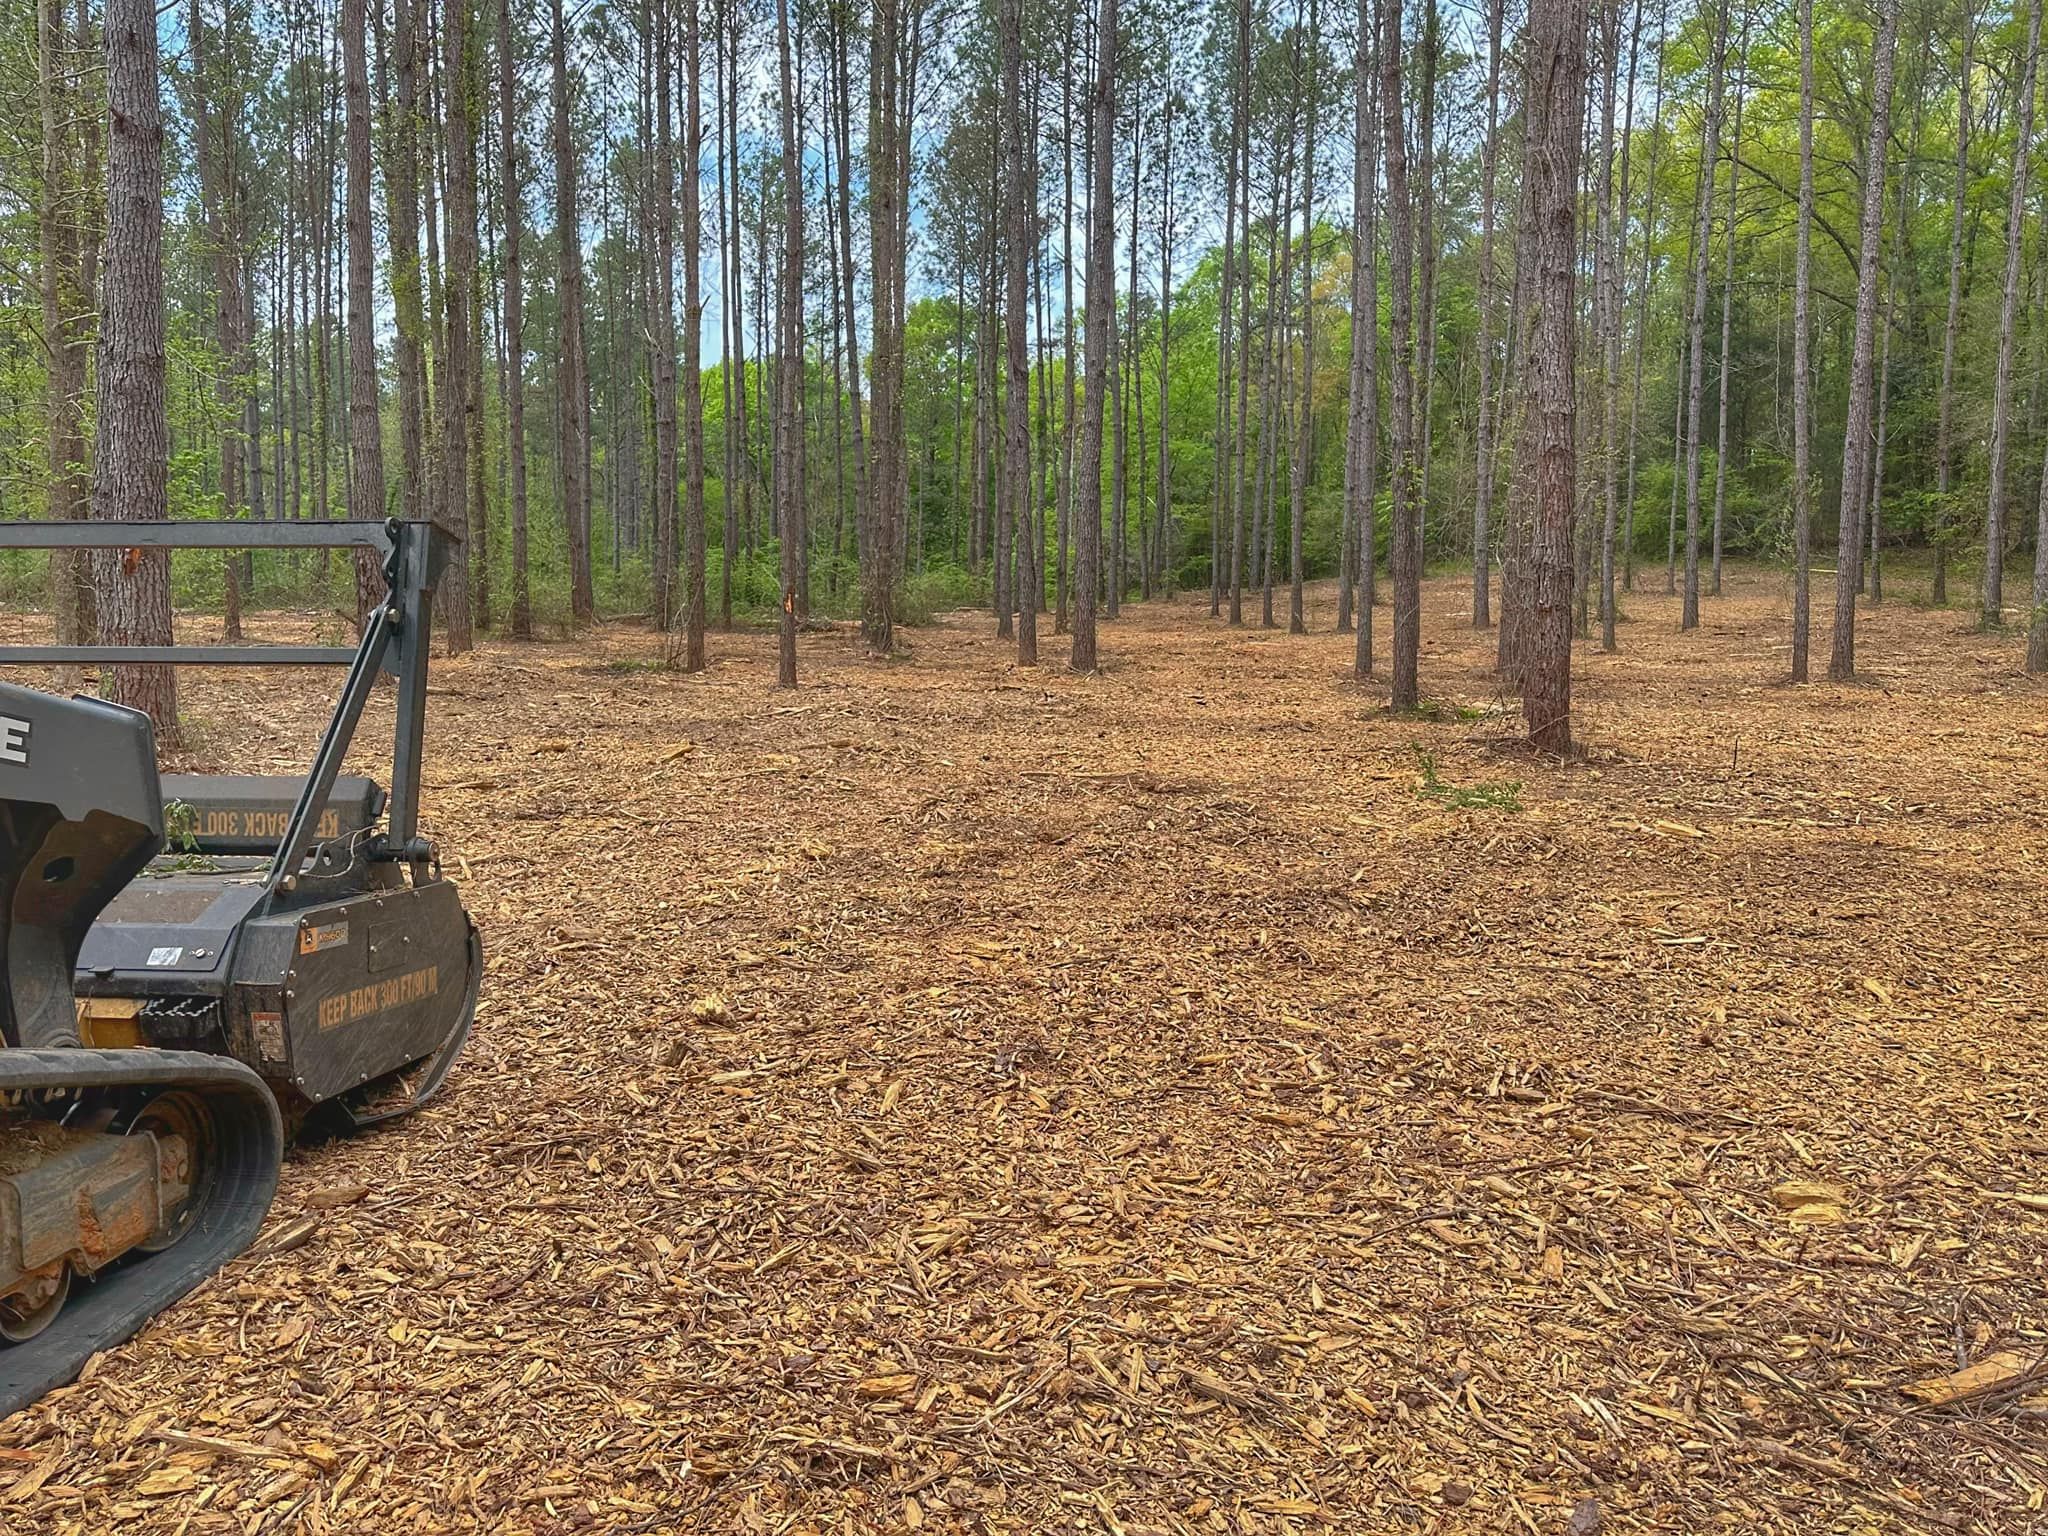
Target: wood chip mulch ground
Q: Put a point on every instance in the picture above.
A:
(1187, 1099)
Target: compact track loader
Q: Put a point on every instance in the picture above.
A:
(175, 1006)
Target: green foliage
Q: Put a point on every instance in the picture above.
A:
(1503, 796)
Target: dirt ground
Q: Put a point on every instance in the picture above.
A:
(1186, 1099)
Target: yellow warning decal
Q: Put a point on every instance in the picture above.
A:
(361, 1002)
(259, 824)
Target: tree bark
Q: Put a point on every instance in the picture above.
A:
(1802, 364)
(694, 602)
(1548, 440)
(1856, 437)
(1944, 431)
(1407, 527)
(2008, 330)
(575, 360)
(789, 397)
(1297, 513)
(365, 397)
(66, 303)
(1362, 437)
(1728, 310)
(131, 448)
(1703, 233)
(1482, 496)
(459, 177)
(661, 318)
(1101, 318)
(514, 324)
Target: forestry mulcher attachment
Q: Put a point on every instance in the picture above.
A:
(174, 1007)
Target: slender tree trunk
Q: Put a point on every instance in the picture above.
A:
(131, 446)
(1628, 499)
(62, 219)
(1407, 527)
(402, 217)
(1482, 497)
(1164, 525)
(514, 322)
(694, 603)
(661, 319)
(1426, 251)
(2008, 329)
(789, 308)
(1802, 364)
(1552, 143)
(575, 372)
(1944, 432)
(1728, 307)
(1225, 363)
(365, 400)
(1297, 514)
(1618, 255)
(1362, 444)
(216, 171)
(1240, 114)
(1703, 234)
(1856, 437)
(459, 177)
(1018, 205)
(888, 155)
(1101, 319)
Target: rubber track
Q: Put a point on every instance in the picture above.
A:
(249, 1149)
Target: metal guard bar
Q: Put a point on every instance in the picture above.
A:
(179, 655)
(186, 534)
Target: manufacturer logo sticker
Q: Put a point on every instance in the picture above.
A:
(166, 956)
(314, 937)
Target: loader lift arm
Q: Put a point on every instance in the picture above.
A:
(165, 1027)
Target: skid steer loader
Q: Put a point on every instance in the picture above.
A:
(173, 1009)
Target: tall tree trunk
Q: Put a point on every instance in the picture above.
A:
(1550, 175)
(1431, 48)
(1164, 525)
(1482, 495)
(1944, 432)
(1703, 234)
(888, 154)
(402, 217)
(1802, 364)
(1407, 526)
(789, 398)
(661, 319)
(365, 399)
(1240, 115)
(459, 193)
(131, 447)
(514, 323)
(66, 299)
(1628, 499)
(215, 173)
(1728, 308)
(1362, 438)
(1856, 436)
(2008, 329)
(1297, 513)
(1617, 245)
(1101, 319)
(575, 371)
(694, 602)
(1018, 206)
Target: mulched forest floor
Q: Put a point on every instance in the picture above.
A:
(1187, 1099)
